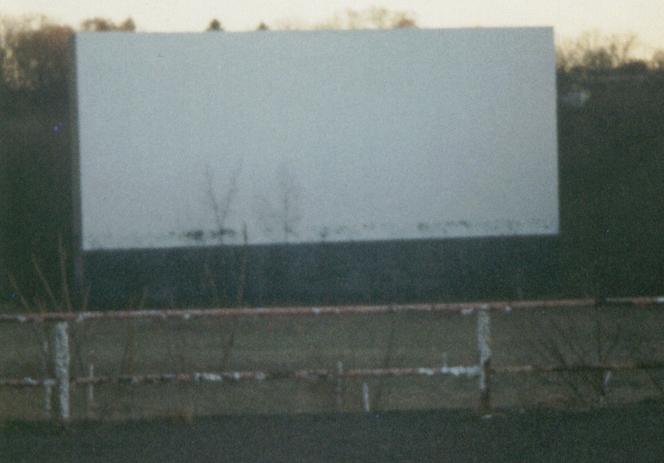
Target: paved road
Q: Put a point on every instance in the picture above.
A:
(632, 434)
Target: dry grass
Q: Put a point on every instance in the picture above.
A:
(519, 338)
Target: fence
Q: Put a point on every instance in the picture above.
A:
(483, 370)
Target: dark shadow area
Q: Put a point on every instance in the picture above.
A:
(608, 435)
(330, 273)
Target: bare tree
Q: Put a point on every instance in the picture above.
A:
(221, 205)
(289, 210)
(370, 18)
(595, 51)
(35, 53)
(280, 213)
(107, 25)
(658, 60)
(34, 50)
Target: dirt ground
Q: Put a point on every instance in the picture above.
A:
(631, 433)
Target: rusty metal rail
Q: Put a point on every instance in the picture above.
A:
(324, 374)
(187, 314)
(509, 369)
(238, 376)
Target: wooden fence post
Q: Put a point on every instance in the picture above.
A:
(61, 362)
(484, 348)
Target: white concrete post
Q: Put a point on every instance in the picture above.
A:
(484, 348)
(366, 402)
(61, 352)
(90, 393)
(48, 398)
(340, 386)
(48, 387)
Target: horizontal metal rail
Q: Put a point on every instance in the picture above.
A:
(325, 374)
(28, 382)
(187, 314)
(237, 376)
(577, 368)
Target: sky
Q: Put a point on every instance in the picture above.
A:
(569, 17)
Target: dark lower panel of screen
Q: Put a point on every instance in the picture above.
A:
(334, 273)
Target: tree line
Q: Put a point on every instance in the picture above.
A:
(34, 57)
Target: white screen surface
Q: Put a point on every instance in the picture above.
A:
(195, 139)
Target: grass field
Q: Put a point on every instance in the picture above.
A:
(625, 434)
(540, 337)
